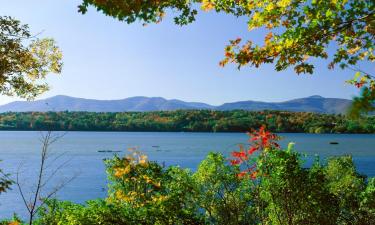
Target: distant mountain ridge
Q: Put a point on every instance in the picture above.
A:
(144, 104)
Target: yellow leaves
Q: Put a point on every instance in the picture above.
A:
(140, 182)
(157, 184)
(278, 48)
(256, 16)
(207, 5)
(119, 172)
(284, 3)
(160, 198)
(143, 159)
(288, 43)
(130, 197)
(270, 7)
(353, 50)
(255, 21)
(362, 55)
(250, 5)
(147, 179)
(136, 157)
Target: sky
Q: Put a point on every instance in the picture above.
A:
(108, 59)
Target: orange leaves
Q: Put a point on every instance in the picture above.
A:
(242, 174)
(250, 172)
(235, 42)
(285, 23)
(14, 223)
(269, 25)
(268, 37)
(230, 55)
(207, 5)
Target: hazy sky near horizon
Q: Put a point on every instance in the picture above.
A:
(108, 59)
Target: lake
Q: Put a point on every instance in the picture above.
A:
(184, 149)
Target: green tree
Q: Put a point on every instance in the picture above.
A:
(224, 198)
(293, 194)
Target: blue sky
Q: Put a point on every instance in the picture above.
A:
(107, 59)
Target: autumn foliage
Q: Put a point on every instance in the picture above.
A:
(261, 141)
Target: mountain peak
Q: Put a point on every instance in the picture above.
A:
(315, 96)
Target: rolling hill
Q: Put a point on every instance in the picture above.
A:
(144, 104)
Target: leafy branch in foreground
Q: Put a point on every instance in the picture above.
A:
(5, 181)
(25, 60)
(299, 31)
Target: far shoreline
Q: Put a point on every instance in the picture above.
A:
(190, 132)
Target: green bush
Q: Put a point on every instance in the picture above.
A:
(223, 197)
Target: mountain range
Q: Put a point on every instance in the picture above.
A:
(314, 103)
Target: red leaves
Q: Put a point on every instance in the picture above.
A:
(360, 84)
(236, 41)
(234, 162)
(252, 150)
(263, 139)
(260, 140)
(242, 174)
(240, 155)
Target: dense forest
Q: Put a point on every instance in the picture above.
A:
(187, 120)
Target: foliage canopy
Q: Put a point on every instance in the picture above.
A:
(25, 61)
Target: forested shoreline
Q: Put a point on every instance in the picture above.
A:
(187, 121)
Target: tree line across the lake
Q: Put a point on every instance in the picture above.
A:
(187, 120)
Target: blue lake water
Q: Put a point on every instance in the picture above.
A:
(184, 149)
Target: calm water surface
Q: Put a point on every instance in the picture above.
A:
(184, 149)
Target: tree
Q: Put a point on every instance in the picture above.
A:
(299, 31)
(49, 167)
(25, 60)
